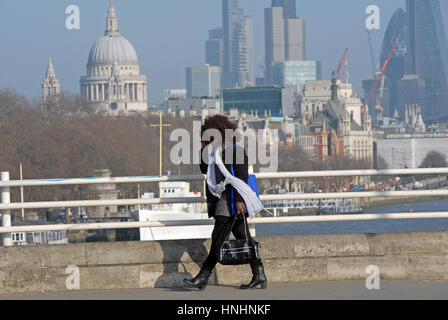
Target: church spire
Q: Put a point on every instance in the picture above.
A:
(50, 85)
(50, 69)
(112, 22)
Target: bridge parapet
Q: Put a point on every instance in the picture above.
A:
(119, 265)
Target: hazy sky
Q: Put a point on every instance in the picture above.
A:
(168, 36)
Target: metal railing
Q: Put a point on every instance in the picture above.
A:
(6, 206)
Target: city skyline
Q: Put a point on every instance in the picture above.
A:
(164, 56)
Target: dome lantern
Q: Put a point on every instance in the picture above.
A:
(112, 22)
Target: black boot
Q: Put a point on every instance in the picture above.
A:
(258, 278)
(201, 280)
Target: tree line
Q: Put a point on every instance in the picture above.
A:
(64, 137)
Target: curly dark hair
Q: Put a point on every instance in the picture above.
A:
(220, 123)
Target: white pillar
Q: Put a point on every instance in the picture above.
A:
(6, 214)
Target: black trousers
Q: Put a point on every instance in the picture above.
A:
(219, 234)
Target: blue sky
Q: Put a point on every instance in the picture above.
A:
(168, 36)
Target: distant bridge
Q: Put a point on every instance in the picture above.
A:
(326, 205)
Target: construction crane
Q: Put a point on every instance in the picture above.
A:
(341, 63)
(372, 55)
(380, 76)
(379, 99)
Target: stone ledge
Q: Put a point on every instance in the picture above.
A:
(419, 256)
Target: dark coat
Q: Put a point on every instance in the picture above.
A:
(241, 170)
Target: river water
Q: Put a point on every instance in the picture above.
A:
(377, 226)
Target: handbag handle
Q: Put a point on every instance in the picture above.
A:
(245, 226)
(233, 223)
(231, 228)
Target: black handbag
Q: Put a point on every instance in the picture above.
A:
(238, 251)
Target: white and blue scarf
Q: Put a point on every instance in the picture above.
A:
(253, 203)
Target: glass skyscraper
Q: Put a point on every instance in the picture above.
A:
(396, 33)
(427, 55)
(214, 48)
(284, 36)
(238, 46)
(295, 73)
(421, 57)
(229, 20)
(203, 81)
(289, 8)
(256, 99)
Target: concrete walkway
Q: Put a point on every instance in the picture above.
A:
(346, 290)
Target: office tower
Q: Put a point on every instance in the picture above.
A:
(274, 39)
(396, 33)
(238, 46)
(217, 33)
(203, 81)
(295, 73)
(244, 51)
(214, 52)
(214, 48)
(289, 7)
(295, 39)
(427, 55)
(284, 36)
(230, 19)
(411, 90)
(253, 99)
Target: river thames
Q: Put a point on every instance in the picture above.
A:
(377, 226)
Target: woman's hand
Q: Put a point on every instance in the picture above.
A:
(240, 207)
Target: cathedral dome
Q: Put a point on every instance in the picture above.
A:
(113, 83)
(112, 45)
(108, 47)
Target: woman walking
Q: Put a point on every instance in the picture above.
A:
(220, 187)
